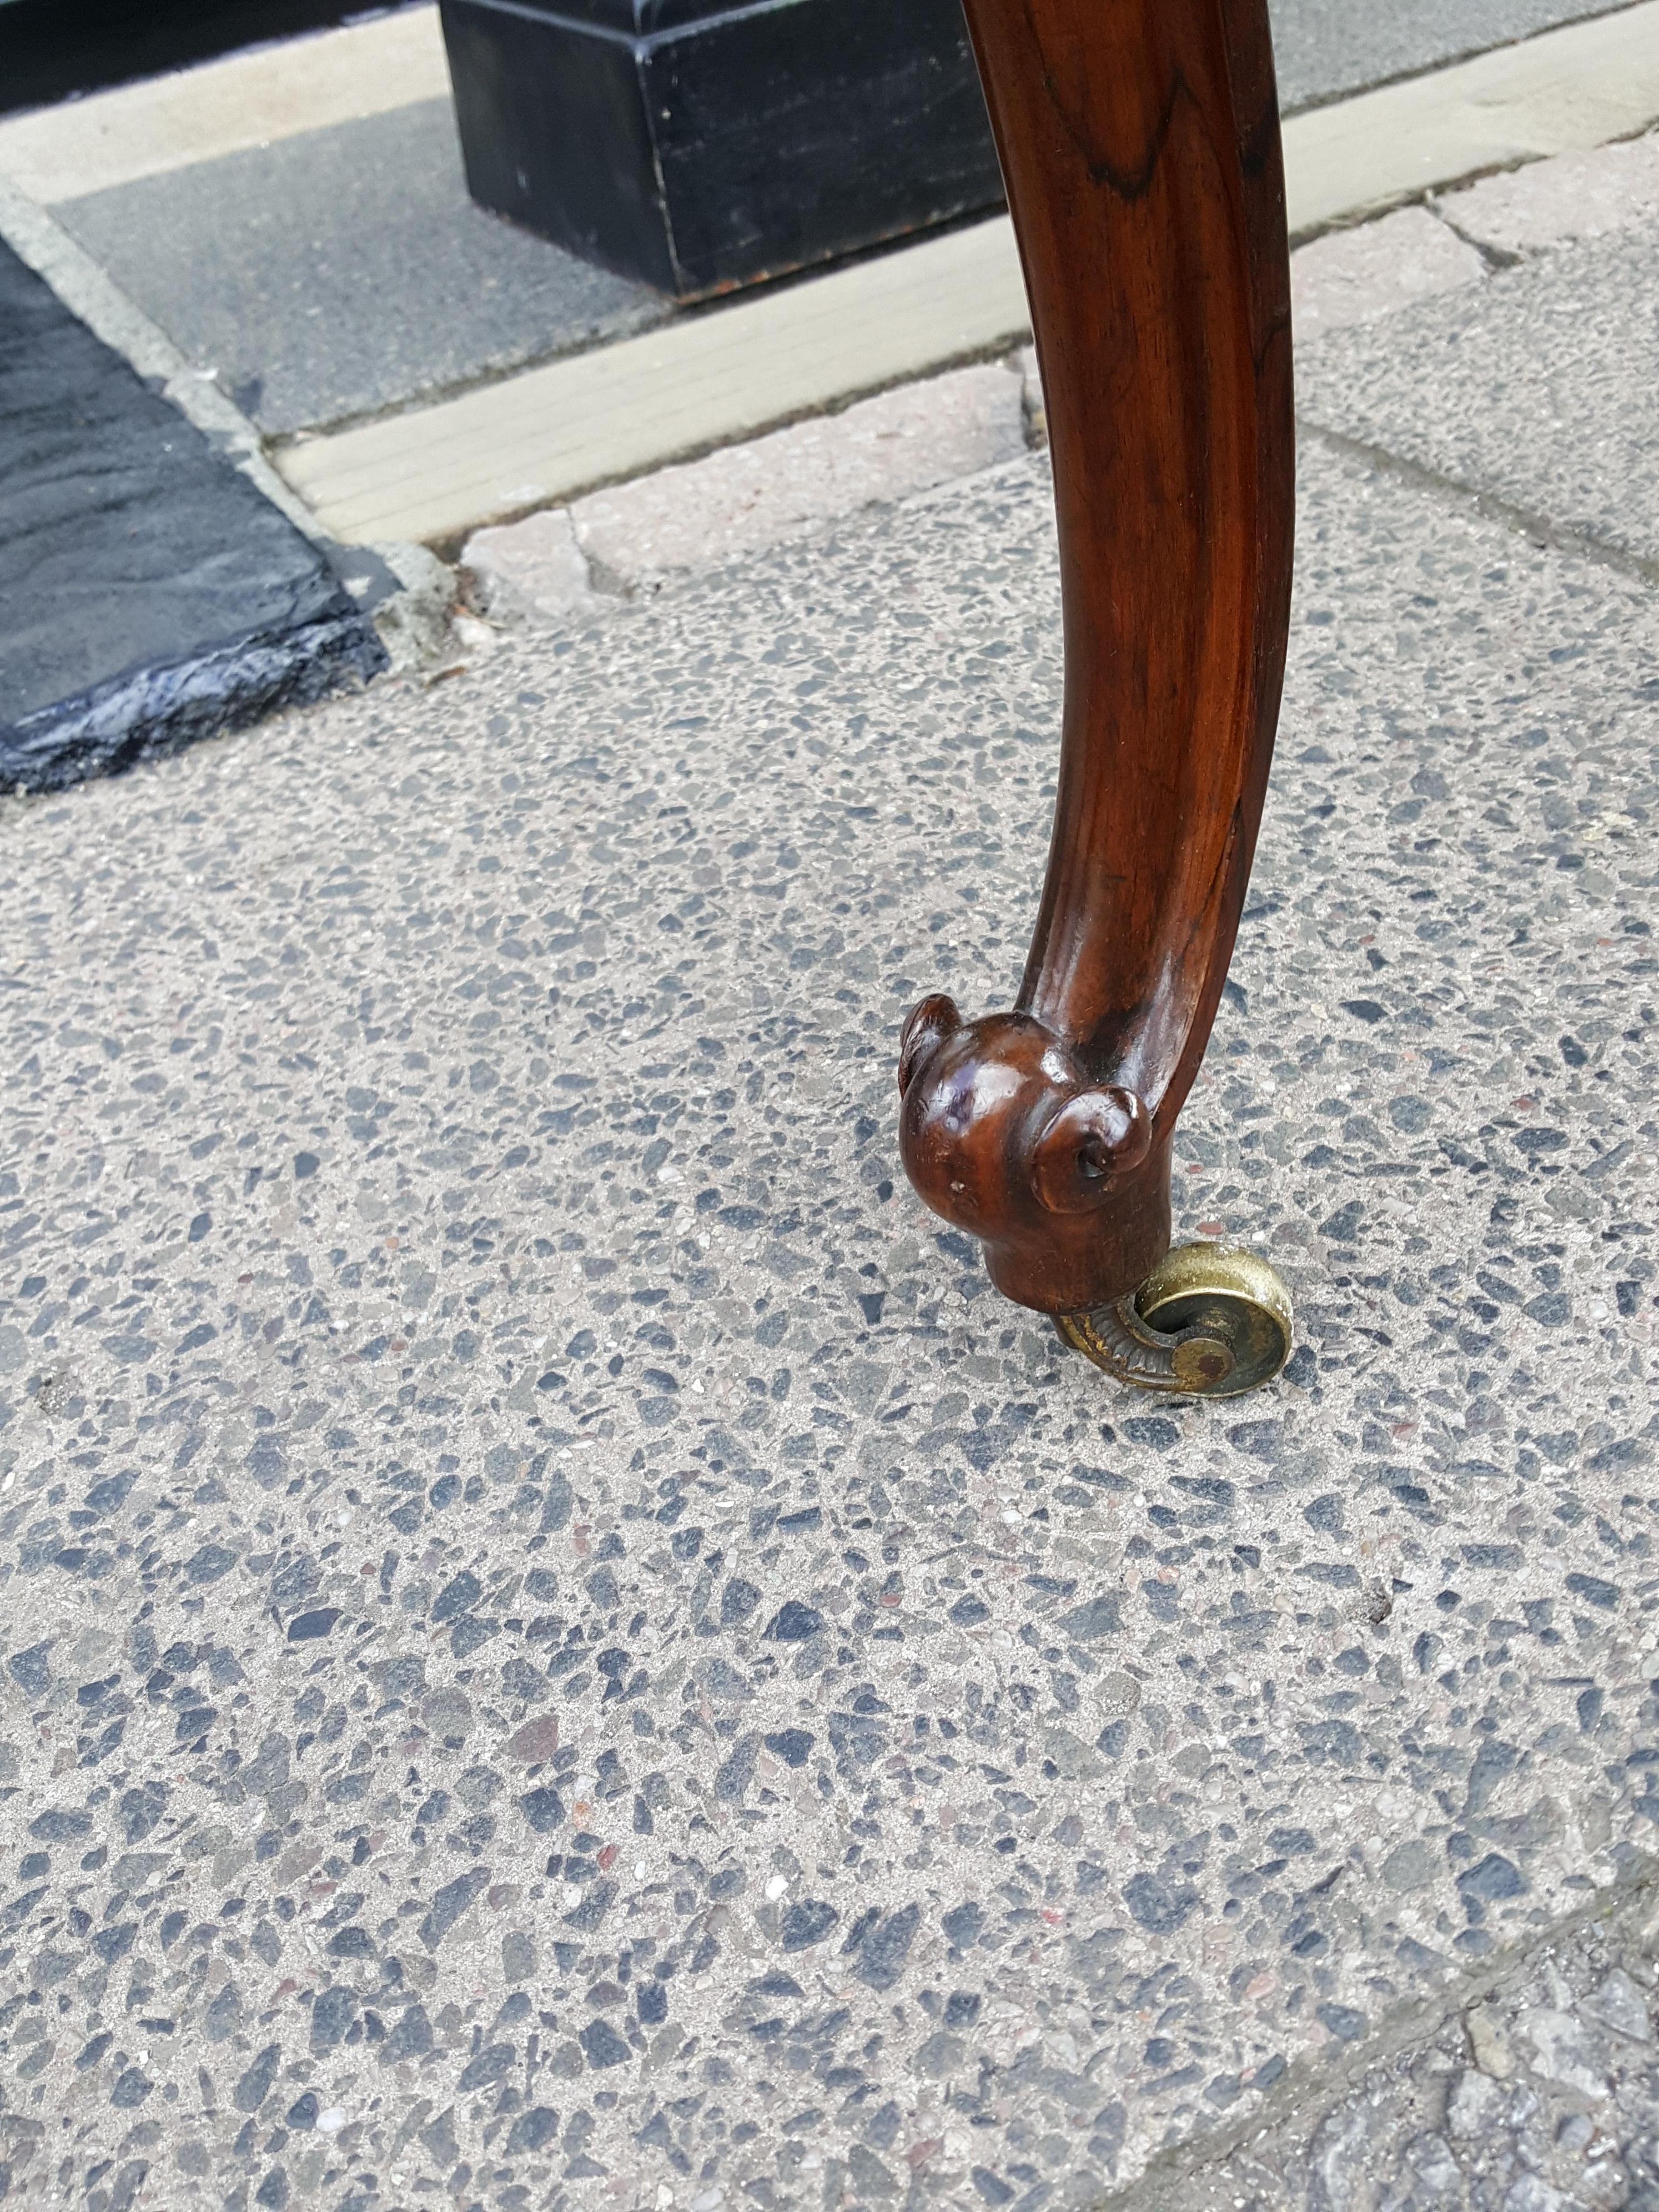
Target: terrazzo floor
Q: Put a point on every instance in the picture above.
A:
(563, 1648)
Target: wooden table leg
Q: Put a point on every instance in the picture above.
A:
(1140, 147)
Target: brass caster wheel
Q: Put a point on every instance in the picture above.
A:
(1207, 1322)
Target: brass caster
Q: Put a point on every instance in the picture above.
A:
(1207, 1322)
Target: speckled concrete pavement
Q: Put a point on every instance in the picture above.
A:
(562, 1648)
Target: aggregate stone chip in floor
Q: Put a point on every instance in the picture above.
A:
(563, 1648)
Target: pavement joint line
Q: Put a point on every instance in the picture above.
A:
(550, 434)
(227, 107)
(1306, 2095)
(1537, 529)
(1497, 259)
(1313, 2086)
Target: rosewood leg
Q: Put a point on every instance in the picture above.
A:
(1140, 144)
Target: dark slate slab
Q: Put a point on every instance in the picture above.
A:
(152, 596)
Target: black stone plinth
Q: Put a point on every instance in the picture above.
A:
(152, 594)
(696, 147)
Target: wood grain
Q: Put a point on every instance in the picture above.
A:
(1139, 143)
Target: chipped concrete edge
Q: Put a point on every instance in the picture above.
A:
(412, 618)
(1311, 2089)
(583, 585)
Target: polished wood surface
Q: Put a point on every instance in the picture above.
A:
(1140, 143)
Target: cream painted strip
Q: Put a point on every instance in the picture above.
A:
(1575, 87)
(710, 379)
(700, 382)
(58, 154)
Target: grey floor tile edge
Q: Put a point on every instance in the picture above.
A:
(160, 710)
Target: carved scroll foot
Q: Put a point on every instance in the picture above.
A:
(1065, 1180)
(1207, 1323)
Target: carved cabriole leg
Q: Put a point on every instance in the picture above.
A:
(1140, 144)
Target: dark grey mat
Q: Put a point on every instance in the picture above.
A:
(151, 595)
(346, 271)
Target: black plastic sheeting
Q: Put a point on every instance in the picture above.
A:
(149, 594)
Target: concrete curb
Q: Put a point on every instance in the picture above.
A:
(711, 379)
(552, 434)
(573, 563)
(566, 563)
(1569, 89)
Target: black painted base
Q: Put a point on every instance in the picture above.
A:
(696, 147)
